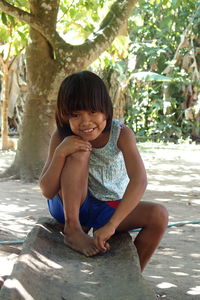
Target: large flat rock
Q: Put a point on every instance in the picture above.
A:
(49, 270)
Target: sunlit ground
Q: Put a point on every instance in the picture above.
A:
(173, 175)
(20, 206)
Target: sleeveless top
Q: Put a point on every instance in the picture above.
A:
(108, 177)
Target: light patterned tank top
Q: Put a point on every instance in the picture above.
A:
(108, 177)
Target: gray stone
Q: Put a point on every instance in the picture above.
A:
(49, 270)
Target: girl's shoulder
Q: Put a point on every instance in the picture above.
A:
(115, 130)
(56, 139)
(55, 134)
(119, 128)
(117, 123)
(126, 137)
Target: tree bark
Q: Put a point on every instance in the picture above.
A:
(6, 143)
(117, 91)
(38, 122)
(4, 108)
(38, 118)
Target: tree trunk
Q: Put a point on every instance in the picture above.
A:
(34, 138)
(4, 108)
(117, 91)
(38, 118)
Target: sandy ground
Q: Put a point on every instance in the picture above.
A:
(173, 174)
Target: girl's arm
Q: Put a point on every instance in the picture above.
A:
(136, 173)
(135, 188)
(49, 180)
(59, 149)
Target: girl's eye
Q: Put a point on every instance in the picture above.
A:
(74, 115)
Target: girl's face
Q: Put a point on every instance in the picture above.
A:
(87, 124)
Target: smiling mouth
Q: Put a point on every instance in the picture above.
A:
(87, 131)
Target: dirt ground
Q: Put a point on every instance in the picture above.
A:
(173, 175)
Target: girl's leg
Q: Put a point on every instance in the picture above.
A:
(74, 184)
(153, 219)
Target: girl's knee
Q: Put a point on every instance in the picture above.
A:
(81, 157)
(76, 160)
(76, 163)
(160, 215)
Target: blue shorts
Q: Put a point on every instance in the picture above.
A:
(93, 212)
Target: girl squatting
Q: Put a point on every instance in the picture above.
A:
(94, 176)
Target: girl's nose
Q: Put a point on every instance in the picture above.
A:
(85, 117)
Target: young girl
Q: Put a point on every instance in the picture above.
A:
(94, 176)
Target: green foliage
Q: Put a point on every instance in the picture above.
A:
(145, 115)
(78, 19)
(156, 109)
(13, 35)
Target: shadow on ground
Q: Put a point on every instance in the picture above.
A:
(173, 175)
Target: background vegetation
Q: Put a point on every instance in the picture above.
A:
(165, 39)
(161, 68)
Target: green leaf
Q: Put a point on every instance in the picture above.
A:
(22, 35)
(166, 23)
(4, 18)
(12, 20)
(72, 12)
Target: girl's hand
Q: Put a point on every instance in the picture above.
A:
(73, 144)
(101, 236)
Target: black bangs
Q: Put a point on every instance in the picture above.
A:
(83, 91)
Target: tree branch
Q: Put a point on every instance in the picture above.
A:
(16, 12)
(93, 46)
(109, 29)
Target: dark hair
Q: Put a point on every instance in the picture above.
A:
(82, 91)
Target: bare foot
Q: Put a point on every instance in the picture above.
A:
(80, 241)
